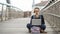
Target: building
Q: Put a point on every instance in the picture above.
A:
(27, 14)
(41, 4)
(16, 13)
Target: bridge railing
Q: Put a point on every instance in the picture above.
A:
(8, 11)
(52, 15)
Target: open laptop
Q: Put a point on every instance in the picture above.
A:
(36, 21)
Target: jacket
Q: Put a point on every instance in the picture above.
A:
(40, 17)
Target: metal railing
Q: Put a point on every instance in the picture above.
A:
(52, 15)
(49, 3)
(8, 11)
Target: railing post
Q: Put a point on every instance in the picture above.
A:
(9, 13)
(6, 13)
(2, 13)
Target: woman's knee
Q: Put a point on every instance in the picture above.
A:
(28, 25)
(43, 26)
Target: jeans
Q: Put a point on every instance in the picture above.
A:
(42, 26)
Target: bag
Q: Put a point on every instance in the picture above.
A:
(35, 30)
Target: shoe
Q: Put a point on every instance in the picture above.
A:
(41, 31)
(44, 32)
(29, 31)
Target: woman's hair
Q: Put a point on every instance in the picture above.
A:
(36, 8)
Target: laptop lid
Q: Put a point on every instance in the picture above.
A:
(36, 21)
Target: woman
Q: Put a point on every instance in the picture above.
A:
(37, 16)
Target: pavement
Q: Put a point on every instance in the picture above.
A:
(18, 26)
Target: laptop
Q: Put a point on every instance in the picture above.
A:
(36, 21)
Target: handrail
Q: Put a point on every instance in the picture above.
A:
(11, 6)
(49, 6)
(54, 15)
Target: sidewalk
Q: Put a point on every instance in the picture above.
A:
(18, 26)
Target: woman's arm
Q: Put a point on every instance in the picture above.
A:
(31, 20)
(43, 22)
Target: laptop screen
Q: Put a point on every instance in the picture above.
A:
(36, 21)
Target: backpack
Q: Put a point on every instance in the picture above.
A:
(35, 30)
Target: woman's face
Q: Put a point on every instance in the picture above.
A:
(36, 11)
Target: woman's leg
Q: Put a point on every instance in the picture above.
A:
(43, 26)
(29, 27)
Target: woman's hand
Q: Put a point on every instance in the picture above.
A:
(37, 16)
